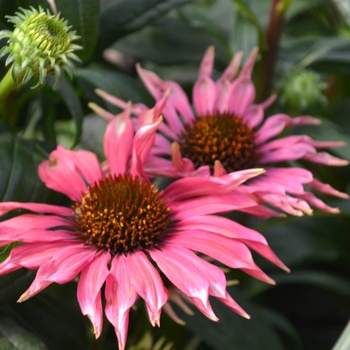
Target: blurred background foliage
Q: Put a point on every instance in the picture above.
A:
(304, 57)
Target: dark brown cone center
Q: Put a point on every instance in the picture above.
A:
(220, 136)
(122, 214)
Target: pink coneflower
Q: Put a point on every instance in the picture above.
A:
(227, 133)
(122, 232)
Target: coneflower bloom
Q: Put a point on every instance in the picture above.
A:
(125, 234)
(226, 132)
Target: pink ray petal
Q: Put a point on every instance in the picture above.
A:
(326, 188)
(229, 302)
(31, 255)
(120, 296)
(92, 277)
(327, 144)
(143, 142)
(148, 284)
(135, 109)
(85, 162)
(219, 225)
(304, 120)
(317, 203)
(325, 158)
(219, 169)
(180, 164)
(187, 272)
(117, 142)
(205, 94)
(253, 115)
(206, 66)
(5, 207)
(261, 212)
(35, 222)
(151, 81)
(211, 204)
(60, 174)
(232, 69)
(272, 127)
(242, 94)
(9, 234)
(249, 65)
(101, 111)
(189, 187)
(62, 268)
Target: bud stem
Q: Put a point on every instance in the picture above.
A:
(7, 85)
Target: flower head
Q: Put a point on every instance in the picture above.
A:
(122, 232)
(40, 45)
(227, 133)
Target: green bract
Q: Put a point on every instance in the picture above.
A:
(40, 45)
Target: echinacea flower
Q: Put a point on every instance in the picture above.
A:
(41, 44)
(227, 132)
(122, 232)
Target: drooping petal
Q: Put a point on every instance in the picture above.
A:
(187, 272)
(181, 164)
(91, 279)
(325, 158)
(326, 188)
(62, 268)
(118, 141)
(60, 174)
(120, 296)
(5, 207)
(148, 284)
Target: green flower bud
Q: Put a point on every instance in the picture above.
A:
(40, 45)
(303, 89)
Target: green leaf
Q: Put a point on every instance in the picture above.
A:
(54, 315)
(19, 179)
(83, 16)
(233, 331)
(170, 42)
(14, 284)
(14, 337)
(71, 100)
(247, 13)
(120, 17)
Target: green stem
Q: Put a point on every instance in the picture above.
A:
(7, 85)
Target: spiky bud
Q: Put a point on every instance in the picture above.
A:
(40, 45)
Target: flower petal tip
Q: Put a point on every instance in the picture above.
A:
(245, 315)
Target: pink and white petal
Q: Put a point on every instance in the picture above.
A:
(265, 251)
(297, 174)
(10, 234)
(297, 151)
(180, 164)
(249, 65)
(317, 203)
(92, 278)
(135, 109)
(31, 256)
(118, 141)
(326, 188)
(232, 69)
(242, 95)
(5, 207)
(151, 80)
(229, 302)
(35, 222)
(62, 268)
(190, 187)
(186, 271)
(60, 174)
(219, 169)
(325, 158)
(179, 100)
(205, 94)
(272, 126)
(231, 253)
(209, 205)
(206, 66)
(143, 143)
(253, 115)
(120, 297)
(219, 225)
(148, 284)
(85, 162)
